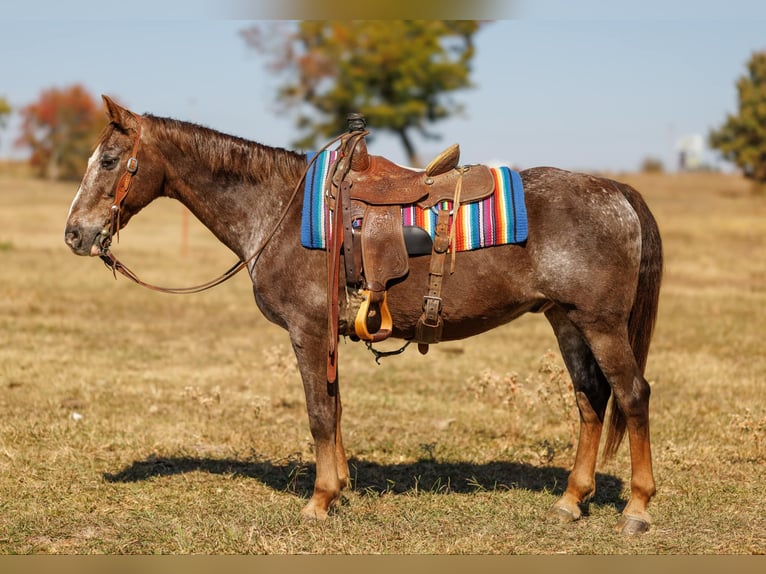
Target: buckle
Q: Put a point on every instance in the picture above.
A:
(132, 165)
(437, 300)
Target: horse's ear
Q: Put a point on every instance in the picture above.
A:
(118, 115)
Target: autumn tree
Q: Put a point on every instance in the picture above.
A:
(402, 75)
(742, 139)
(5, 111)
(60, 129)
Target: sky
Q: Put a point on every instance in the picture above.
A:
(588, 85)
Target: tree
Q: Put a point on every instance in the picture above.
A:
(60, 129)
(399, 74)
(742, 139)
(5, 111)
(652, 165)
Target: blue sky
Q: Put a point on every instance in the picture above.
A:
(596, 87)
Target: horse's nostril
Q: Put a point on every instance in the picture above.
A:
(72, 238)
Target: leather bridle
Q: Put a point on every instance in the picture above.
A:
(123, 185)
(113, 227)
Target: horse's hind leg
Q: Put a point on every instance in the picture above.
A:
(324, 411)
(592, 394)
(612, 350)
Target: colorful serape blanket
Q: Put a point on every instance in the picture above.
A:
(316, 214)
(497, 220)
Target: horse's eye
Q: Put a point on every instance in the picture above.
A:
(108, 162)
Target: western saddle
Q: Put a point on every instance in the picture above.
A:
(365, 194)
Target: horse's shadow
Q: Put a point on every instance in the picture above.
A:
(373, 479)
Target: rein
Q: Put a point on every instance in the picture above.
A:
(121, 192)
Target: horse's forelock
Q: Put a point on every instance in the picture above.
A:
(106, 131)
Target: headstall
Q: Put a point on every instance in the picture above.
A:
(113, 227)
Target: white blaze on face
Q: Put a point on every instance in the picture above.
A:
(88, 179)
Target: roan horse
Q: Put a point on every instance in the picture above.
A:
(592, 264)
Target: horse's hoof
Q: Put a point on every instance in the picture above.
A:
(631, 525)
(314, 514)
(564, 515)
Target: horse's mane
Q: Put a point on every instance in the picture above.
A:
(221, 152)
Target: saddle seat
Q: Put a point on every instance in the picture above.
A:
(383, 182)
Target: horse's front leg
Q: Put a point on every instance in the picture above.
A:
(324, 411)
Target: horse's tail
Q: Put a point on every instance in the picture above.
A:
(644, 312)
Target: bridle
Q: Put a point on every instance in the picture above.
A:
(123, 185)
(112, 227)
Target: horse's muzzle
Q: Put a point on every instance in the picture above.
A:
(87, 243)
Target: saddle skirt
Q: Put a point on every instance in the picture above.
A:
(499, 219)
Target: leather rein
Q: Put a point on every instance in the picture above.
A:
(113, 228)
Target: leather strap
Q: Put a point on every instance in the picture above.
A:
(333, 271)
(335, 241)
(123, 185)
(351, 254)
(456, 210)
(118, 267)
(429, 326)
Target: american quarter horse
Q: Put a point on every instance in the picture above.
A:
(592, 263)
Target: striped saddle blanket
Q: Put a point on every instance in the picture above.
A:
(497, 220)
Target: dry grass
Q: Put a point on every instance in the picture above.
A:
(135, 422)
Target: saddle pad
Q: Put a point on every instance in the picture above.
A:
(498, 220)
(315, 214)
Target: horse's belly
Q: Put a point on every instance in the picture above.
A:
(487, 289)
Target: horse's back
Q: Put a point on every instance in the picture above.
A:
(583, 250)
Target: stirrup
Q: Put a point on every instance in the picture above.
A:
(386, 322)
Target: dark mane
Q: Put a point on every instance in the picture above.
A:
(223, 153)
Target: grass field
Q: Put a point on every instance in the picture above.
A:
(137, 422)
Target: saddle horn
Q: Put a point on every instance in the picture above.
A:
(360, 159)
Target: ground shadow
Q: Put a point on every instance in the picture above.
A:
(373, 479)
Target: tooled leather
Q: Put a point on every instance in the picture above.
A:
(386, 183)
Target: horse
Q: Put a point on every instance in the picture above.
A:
(591, 264)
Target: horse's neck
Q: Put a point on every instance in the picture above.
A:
(238, 210)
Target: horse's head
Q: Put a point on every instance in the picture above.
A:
(118, 183)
